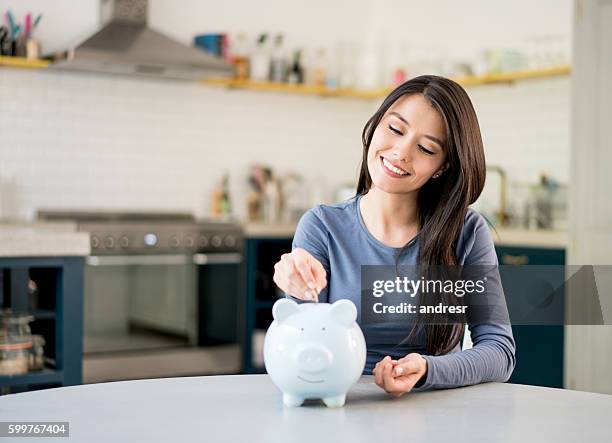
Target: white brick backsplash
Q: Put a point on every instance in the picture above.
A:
(90, 141)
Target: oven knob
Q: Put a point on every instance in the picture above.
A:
(124, 242)
(203, 242)
(216, 241)
(188, 242)
(229, 241)
(109, 242)
(174, 241)
(150, 239)
(95, 241)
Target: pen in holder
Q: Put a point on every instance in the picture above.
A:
(20, 46)
(17, 40)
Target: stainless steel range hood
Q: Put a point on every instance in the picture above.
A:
(126, 45)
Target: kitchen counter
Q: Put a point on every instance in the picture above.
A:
(249, 408)
(503, 236)
(269, 230)
(42, 240)
(52, 255)
(531, 238)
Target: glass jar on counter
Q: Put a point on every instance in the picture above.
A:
(15, 356)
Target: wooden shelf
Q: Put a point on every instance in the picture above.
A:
(292, 89)
(507, 77)
(43, 314)
(321, 91)
(22, 62)
(510, 77)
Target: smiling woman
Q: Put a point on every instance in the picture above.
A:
(422, 165)
(414, 151)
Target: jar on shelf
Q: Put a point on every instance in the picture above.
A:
(13, 325)
(15, 356)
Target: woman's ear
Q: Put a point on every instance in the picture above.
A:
(440, 171)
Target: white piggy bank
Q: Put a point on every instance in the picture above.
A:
(314, 351)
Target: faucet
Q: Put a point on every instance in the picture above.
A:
(502, 214)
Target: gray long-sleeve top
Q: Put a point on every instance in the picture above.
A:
(337, 236)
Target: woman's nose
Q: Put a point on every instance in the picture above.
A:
(403, 152)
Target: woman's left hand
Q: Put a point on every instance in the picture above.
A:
(397, 377)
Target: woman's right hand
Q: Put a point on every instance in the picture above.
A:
(300, 275)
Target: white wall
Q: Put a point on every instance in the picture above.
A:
(465, 27)
(458, 28)
(76, 140)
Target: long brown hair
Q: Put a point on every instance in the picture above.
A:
(443, 202)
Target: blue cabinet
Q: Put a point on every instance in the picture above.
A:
(261, 292)
(539, 348)
(57, 308)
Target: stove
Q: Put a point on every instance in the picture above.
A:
(158, 280)
(119, 233)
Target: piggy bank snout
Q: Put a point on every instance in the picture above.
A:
(313, 358)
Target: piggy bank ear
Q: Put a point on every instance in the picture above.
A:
(344, 312)
(283, 308)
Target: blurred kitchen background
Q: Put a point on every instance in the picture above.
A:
(170, 199)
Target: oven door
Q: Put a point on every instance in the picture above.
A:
(220, 287)
(140, 302)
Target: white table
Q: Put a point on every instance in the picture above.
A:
(248, 408)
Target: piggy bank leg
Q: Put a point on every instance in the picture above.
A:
(291, 400)
(335, 402)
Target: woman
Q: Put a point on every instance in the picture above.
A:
(423, 164)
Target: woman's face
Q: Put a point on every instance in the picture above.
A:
(407, 146)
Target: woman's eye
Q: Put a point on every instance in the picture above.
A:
(426, 151)
(395, 130)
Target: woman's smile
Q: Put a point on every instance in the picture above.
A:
(391, 169)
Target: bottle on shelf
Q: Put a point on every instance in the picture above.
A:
(220, 199)
(346, 56)
(369, 64)
(279, 62)
(272, 198)
(319, 68)
(260, 60)
(296, 72)
(241, 57)
(226, 203)
(257, 180)
(396, 71)
(332, 79)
